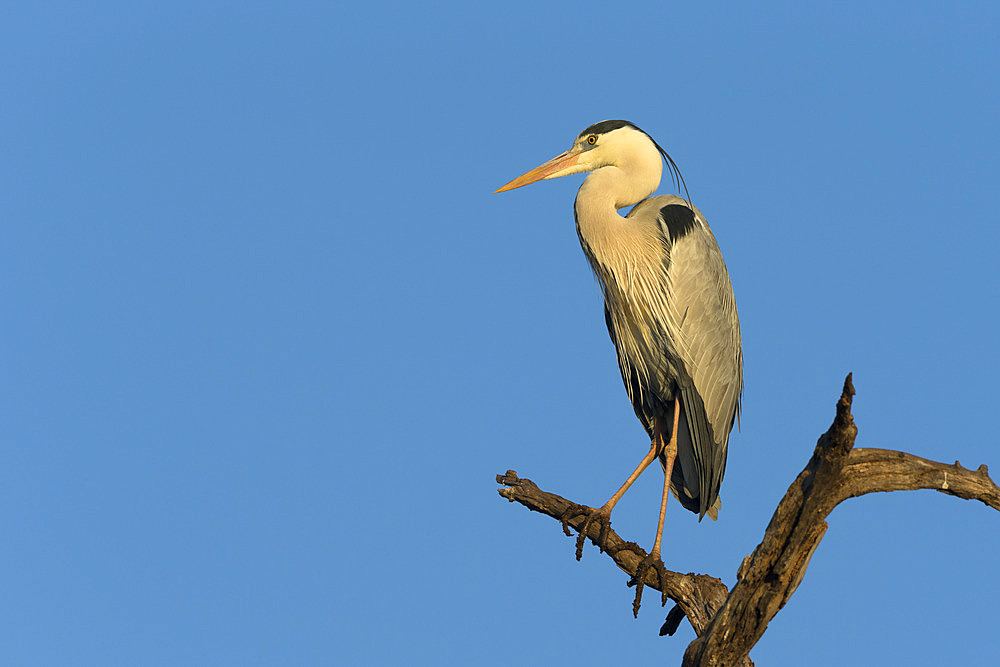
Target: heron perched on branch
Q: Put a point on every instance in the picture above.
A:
(669, 307)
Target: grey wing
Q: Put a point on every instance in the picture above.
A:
(708, 342)
(704, 328)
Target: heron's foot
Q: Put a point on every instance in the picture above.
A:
(600, 515)
(572, 512)
(650, 562)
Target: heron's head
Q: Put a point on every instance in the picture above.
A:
(610, 143)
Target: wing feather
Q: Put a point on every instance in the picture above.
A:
(701, 350)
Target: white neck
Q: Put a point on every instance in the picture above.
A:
(608, 240)
(631, 174)
(610, 188)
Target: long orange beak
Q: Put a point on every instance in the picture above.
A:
(547, 170)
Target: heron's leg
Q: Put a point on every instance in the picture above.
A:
(654, 450)
(653, 559)
(603, 515)
(669, 456)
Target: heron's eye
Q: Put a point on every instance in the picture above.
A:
(592, 139)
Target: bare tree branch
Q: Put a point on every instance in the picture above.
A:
(729, 623)
(699, 596)
(872, 470)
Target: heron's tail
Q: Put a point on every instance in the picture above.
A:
(693, 503)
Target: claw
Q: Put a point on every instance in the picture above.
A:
(605, 520)
(656, 564)
(572, 512)
(592, 515)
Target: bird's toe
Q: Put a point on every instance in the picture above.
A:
(650, 562)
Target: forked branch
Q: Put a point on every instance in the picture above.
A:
(729, 623)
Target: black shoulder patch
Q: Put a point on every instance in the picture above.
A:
(606, 126)
(678, 220)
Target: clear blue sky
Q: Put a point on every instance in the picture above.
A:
(267, 336)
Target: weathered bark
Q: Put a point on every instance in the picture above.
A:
(699, 596)
(729, 623)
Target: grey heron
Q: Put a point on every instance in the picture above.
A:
(670, 311)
